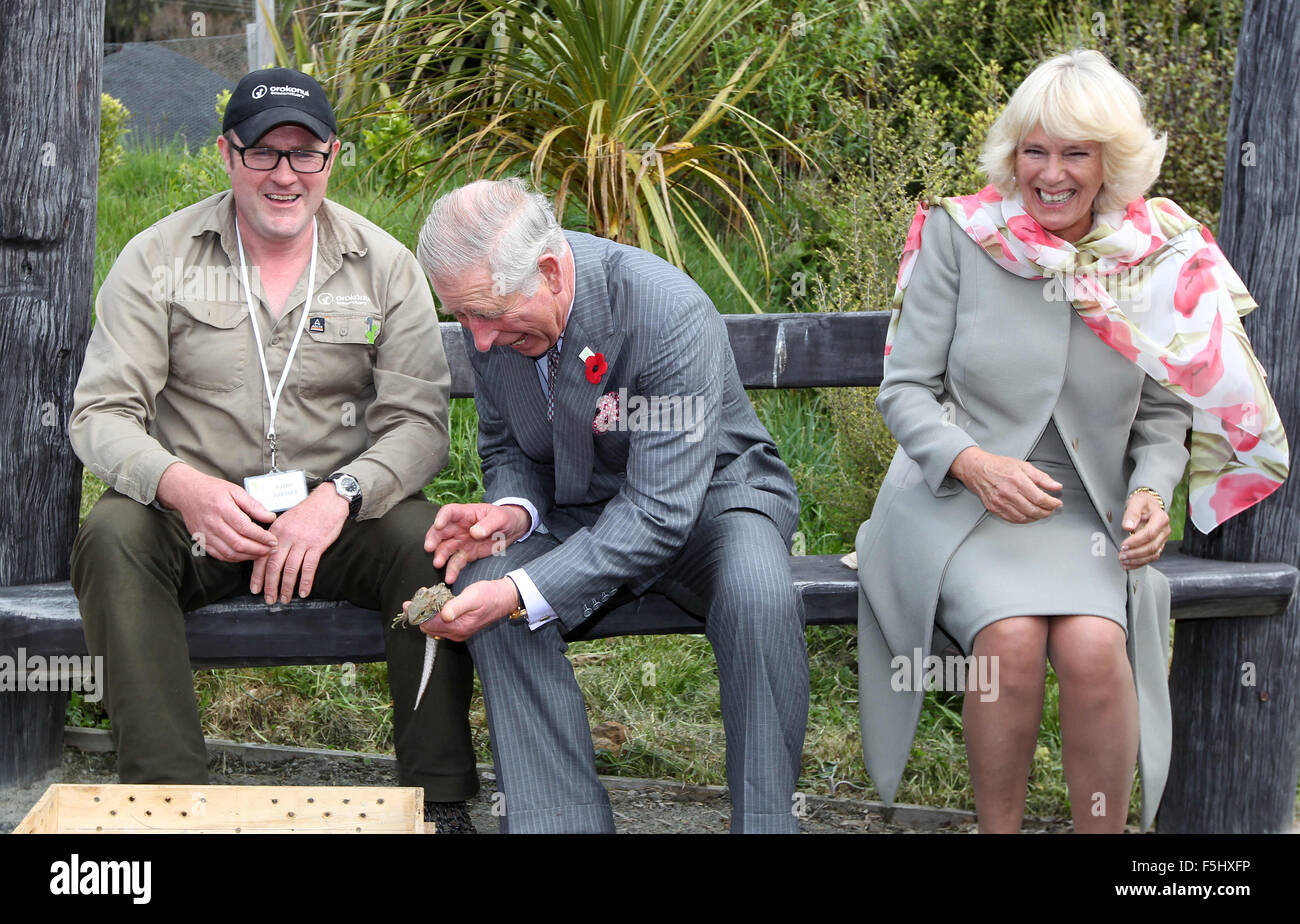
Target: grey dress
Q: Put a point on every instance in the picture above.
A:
(982, 358)
(1064, 564)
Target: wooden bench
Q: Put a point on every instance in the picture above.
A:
(772, 351)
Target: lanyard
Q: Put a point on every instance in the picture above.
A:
(273, 397)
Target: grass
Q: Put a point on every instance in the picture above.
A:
(664, 689)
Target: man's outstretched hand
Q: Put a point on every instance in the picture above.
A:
(462, 533)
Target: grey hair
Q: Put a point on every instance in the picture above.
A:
(497, 225)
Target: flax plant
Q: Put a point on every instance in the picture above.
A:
(327, 38)
(599, 102)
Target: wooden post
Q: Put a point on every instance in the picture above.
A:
(1236, 696)
(52, 54)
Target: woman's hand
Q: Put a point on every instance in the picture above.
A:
(1009, 488)
(1146, 520)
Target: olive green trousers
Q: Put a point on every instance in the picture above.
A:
(135, 573)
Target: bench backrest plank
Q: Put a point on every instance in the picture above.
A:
(772, 350)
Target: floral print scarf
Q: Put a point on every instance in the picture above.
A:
(1150, 282)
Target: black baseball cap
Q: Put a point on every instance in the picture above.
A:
(278, 96)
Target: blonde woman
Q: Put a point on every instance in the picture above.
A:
(1054, 338)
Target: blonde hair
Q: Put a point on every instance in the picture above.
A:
(1079, 97)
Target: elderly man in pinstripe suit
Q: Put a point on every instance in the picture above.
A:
(620, 455)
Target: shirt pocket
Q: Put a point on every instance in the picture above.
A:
(208, 344)
(338, 355)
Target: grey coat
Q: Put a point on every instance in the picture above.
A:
(980, 359)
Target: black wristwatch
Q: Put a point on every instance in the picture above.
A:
(350, 490)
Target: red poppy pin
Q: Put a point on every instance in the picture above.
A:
(596, 367)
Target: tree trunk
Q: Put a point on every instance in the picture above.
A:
(51, 58)
(1234, 685)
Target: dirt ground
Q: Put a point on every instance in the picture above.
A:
(640, 806)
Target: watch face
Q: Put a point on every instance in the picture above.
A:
(347, 485)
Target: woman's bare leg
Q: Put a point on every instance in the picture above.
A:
(1099, 719)
(1002, 727)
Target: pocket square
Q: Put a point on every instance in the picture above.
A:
(606, 413)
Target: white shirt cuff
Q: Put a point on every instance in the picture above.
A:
(533, 521)
(539, 611)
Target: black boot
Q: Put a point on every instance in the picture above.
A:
(449, 817)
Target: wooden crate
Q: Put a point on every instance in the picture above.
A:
(156, 809)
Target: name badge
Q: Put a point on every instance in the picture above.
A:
(277, 491)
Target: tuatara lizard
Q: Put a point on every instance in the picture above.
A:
(425, 604)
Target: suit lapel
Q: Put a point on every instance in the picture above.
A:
(590, 326)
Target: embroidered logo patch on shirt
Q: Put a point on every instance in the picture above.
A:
(316, 325)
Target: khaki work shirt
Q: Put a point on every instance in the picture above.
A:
(172, 373)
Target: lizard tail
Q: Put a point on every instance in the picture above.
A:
(430, 653)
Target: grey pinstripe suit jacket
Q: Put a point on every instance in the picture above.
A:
(623, 502)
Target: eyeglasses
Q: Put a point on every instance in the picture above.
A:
(269, 158)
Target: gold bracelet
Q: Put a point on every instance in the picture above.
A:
(1159, 500)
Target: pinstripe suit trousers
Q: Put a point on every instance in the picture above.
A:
(734, 573)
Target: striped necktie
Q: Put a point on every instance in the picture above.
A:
(552, 373)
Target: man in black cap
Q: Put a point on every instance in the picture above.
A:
(265, 393)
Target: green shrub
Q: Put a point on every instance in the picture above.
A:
(113, 117)
(200, 174)
(81, 713)
(392, 131)
(829, 44)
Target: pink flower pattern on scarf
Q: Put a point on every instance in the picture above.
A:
(1151, 282)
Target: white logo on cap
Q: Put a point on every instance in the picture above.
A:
(259, 91)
